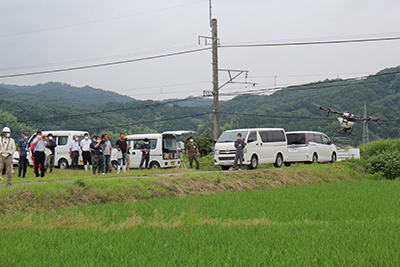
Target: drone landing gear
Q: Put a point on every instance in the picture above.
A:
(347, 131)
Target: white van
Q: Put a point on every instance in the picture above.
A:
(63, 140)
(306, 146)
(163, 150)
(263, 145)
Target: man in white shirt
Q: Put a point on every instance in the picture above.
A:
(74, 152)
(7, 149)
(86, 153)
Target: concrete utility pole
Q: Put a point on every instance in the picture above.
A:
(215, 77)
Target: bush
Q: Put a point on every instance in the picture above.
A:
(382, 157)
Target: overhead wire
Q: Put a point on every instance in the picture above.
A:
(113, 63)
(194, 51)
(326, 42)
(149, 121)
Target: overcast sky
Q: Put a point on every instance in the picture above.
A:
(38, 35)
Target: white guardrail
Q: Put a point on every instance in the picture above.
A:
(343, 154)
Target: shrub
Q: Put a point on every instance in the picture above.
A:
(382, 157)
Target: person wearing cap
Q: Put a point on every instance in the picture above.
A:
(23, 148)
(51, 145)
(7, 149)
(145, 148)
(192, 152)
(74, 152)
(40, 144)
(86, 153)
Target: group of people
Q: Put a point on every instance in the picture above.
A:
(96, 153)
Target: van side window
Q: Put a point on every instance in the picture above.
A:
(325, 140)
(318, 138)
(62, 140)
(252, 137)
(139, 142)
(272, 136)
(276, 136)
(264, 136)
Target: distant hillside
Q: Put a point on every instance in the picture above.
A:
(61, 93)
(192, 102)
(291, 108)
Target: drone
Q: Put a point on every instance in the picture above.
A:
(347, 119)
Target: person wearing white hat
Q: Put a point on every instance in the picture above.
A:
(7, 149)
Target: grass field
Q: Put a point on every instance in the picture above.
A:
(322, 214)
(347, 223)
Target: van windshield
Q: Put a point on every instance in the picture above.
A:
(227, 137)
(296, 139)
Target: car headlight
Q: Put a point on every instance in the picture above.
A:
(216, 152)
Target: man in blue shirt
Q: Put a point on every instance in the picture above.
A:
(98, 151)
(145, 148)
(23, 152)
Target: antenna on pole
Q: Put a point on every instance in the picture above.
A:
(210, 12)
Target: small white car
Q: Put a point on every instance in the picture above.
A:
(263, 146)
(311, 147)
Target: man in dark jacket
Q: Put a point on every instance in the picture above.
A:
(145, 148)
(239, 145)
(51, 145)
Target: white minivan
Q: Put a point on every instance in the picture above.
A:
(306, 146)
(263, 146)
(163, 150)
(63, 140)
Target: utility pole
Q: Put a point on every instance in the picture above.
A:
(365, 130)
(215, 77)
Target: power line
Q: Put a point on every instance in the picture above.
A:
(238, 93)
(321, 85)
(194, 51)
(149, 121)
(105, 64)
(313, 42)
(74, 116)
(269, 116)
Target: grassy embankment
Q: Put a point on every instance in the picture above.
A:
(84, 191)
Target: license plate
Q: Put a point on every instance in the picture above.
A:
(292, 150)
(172, 163)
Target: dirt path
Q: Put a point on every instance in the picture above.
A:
(173, 174)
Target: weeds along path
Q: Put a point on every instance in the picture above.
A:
(100, 178)
(52, 195)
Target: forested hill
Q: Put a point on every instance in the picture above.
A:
(60, 93)
(291, 108)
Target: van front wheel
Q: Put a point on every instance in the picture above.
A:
(279, 161)
(224, 168)
(253, 162)
(155, 165)
(62, 164)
